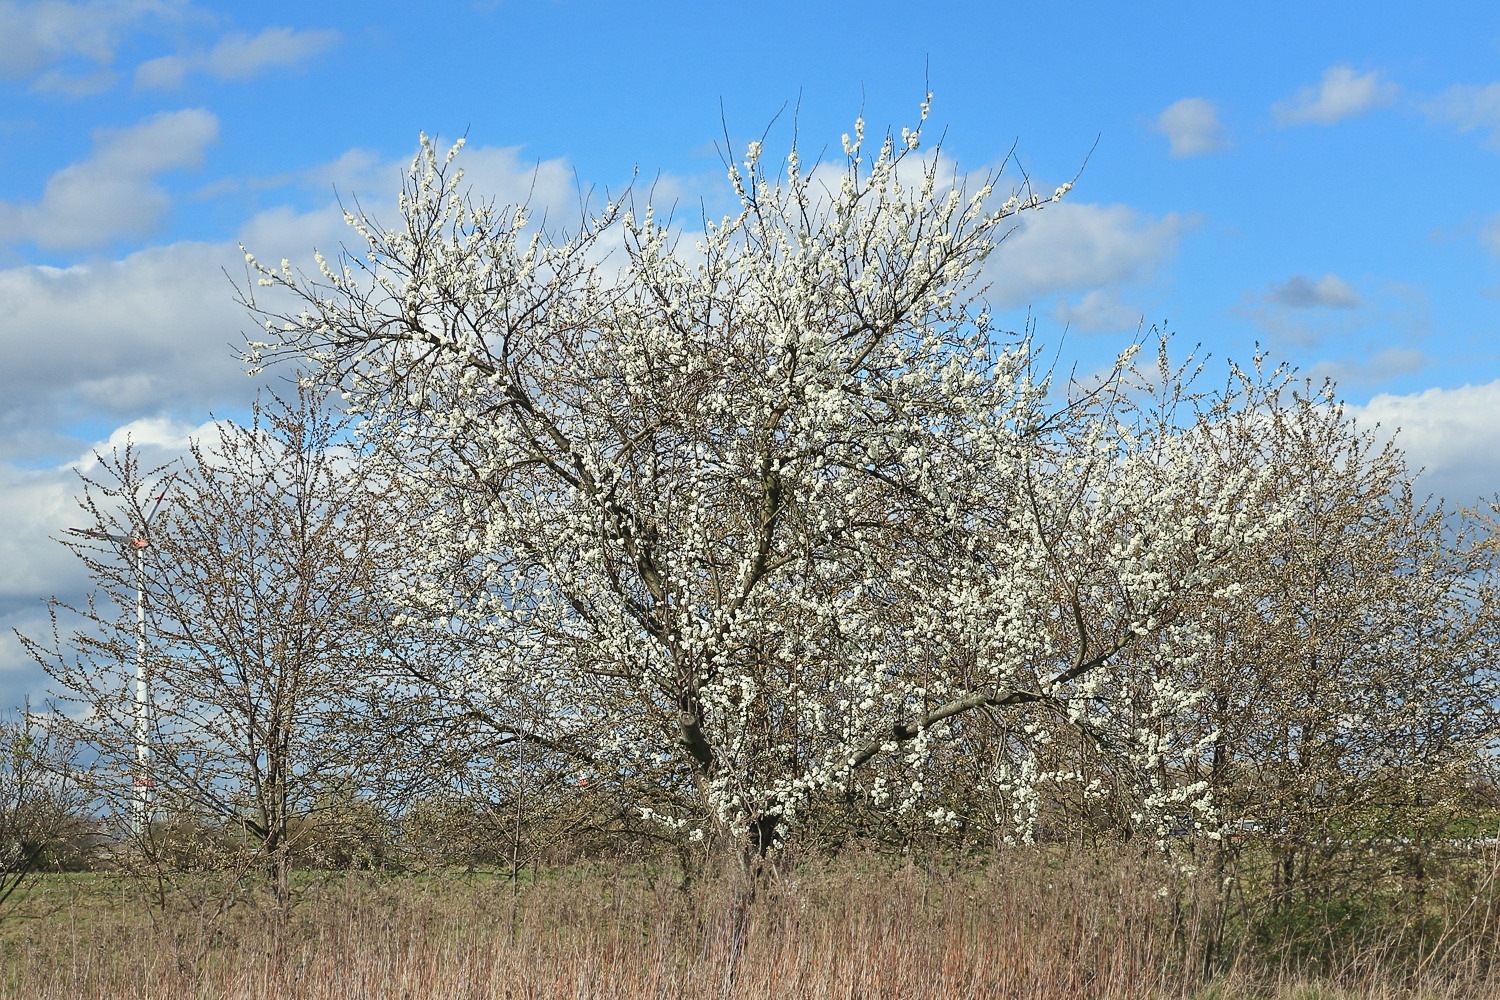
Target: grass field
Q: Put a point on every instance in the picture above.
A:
(859, 928)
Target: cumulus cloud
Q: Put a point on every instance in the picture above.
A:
(1342, 94)
(237, 57)
(1449, 433)
(73, 84)
(1192, 127)
(70, 47)
(1098, 311)
(355, 168)
(1468, 108)
(504, 174)
(1301, 292)
(1076, 247)
(1386, 363)
(37, 36)
(1490, 234)
(113, 340)
(37, 506)
(1330, 313)
(120, 343)
(1287, 310)
(499, 174)
(113, 193)
(156, 331)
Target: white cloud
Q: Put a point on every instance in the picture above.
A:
(1342, 94)
(75, 84)
(154, 333)
(1384, 364)
(1192, 126)
(1490, 234)
(137, 336)
(237, 57)
(504, 175)
(1099, 311)
(1469, 107)
(157, 330)
(37, 506)
(112, 193)
(285, 232)
(162, 433)
(355, 169)
(1300, 292)
(35, 36)
(1329, 314)
(70, 47)
(1076, 247)
(499, 174)
(1450, 433)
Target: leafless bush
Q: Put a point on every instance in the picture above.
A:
(44, 821)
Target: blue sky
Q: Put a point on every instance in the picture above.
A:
(1318, 178)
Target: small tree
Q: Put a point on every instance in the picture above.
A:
(263, 603)
(44, 820)
(1352, 684)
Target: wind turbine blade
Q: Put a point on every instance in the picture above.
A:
(91, 533)
(165, 483)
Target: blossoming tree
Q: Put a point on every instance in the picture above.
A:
(767, 514)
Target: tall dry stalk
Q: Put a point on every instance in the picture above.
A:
(856, 929)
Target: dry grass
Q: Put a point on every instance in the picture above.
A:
(852, 931)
